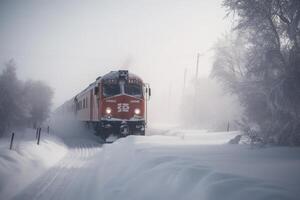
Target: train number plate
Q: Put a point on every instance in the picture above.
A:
(123, 107)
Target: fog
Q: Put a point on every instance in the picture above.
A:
(69, 44)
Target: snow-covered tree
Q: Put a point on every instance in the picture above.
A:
(38, 99)
(11, 111)
(22, 104)
(261, 64)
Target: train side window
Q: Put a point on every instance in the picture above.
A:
(84, 103)
(96, 90)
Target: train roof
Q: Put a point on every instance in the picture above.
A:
(109, 76)
(92, 85)
(118, 74)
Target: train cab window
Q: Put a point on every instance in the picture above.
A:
(133, 89)
(111, 89)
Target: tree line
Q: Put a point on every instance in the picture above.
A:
(259, 61)
(22, 103)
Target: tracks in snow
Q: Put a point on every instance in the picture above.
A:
(71, 178)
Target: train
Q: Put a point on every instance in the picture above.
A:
(114, 104)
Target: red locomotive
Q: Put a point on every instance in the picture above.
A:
(115, 104)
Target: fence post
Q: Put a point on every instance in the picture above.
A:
(228, 126)
(48, 129)
(36, 133)
(12, 140)
(39, 136)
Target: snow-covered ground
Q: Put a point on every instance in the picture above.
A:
(27, 161)
(166, 164)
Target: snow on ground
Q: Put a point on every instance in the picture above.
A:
(201, 136)
(179, 164)
(165, 167)
(26, 161)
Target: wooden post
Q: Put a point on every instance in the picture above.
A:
(48, 129)
(12, 141)
(228, 126)
(36, 133)
(39, 136)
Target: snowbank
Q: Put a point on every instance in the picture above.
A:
(197, 136)
(167, 167)
(27, 161)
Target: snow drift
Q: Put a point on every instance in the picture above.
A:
(27, 161)
(162, 167)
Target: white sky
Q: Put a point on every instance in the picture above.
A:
(70, 43)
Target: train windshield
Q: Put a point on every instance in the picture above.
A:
(133, 89)
(111, 89)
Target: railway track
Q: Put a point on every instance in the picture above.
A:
(70, 178)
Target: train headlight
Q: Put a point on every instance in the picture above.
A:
(137, 111)
(108, 110)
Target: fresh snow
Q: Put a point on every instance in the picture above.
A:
(166, 164)
(26, 161)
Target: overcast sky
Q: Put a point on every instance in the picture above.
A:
(70, 43)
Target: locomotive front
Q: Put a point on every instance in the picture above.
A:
(123, 104)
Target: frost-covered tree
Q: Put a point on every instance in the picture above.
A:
(22, 104)
(261, 64)
(11, 111)
(38, 100)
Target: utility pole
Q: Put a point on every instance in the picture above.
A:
(169, 99)
(184, 82)
(196, 88)
(196, 75)
(196, 80)
(197, 67)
